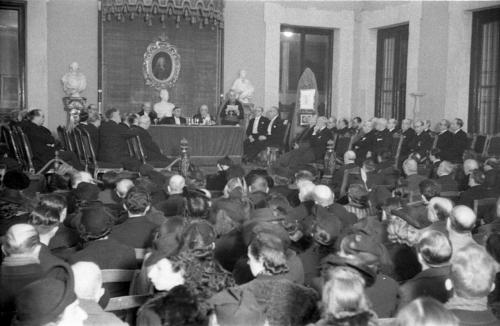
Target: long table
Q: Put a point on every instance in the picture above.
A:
(206, 143)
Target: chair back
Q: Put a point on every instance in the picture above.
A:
(479, 143)
(397, 144)
(345, 179)
(82, 150)
(25, 149)
(126, 302)
(14, 150)
(62, 132)
(135, 147)
(492, 147)
(88, 147)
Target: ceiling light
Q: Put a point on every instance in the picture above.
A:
(288, 33)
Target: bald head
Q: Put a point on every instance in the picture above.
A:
(21, 239)
(462, 219)
(323, 195)
(306, 190)
(176, 184)
(88, 281)
(123, 186)
(349, 157)
(470, 165)
(410, 167)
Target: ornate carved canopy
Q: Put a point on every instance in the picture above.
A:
(202, 12)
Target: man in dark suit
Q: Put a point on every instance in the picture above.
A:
(203, 116)
(445, 141)
(459, 140)
(275, 128)
(383, 138)
(90, 128)
(338, 175)
(256, 135)
(175, 119)
(477, 189)
(147, 110)
(136, 231)
(364, 146)
(42, 143)
(423, 142)
(151, 149)
(112, 139)
(175, 203)
(408, 139)
(434, 254)
(445, 177)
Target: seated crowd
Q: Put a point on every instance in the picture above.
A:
(380, 242)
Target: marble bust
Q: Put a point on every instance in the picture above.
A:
(243, 88)
(74, 82)
(164, 107)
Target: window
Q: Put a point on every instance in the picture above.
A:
(301, 48)
(12, 55)
(484, 115)
(390, 85)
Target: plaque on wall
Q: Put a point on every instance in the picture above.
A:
(162, 64)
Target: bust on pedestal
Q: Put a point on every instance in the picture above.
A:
(163, 108)
(74, 82)
(244, 92)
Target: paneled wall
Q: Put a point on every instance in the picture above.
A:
(124, 45)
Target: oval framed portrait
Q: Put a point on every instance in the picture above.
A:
(162, 65)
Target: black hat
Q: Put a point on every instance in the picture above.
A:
(44, 300)
(414, 214)
(368, 272)
(94, 222)
(87, 191)
(16, 180)
(225, 161)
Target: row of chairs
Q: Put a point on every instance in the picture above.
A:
(19, 147)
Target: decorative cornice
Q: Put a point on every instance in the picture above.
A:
(202, 12)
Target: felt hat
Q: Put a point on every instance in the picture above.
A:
(86, 191)
(328, 223)
(94, 222)
(44, 300)
(414, 214)
(16, 180)
(367, 271)
(237, 307)
(265, 214)
(358, 194)
(252, 228)
(363, 246)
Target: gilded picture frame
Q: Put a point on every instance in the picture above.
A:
(162, 64)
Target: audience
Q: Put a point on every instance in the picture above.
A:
(241, 253)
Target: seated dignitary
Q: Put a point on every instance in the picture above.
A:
(434, 254)
(413, 179)
(445, 141)
(408, 139)
(383, 138)
(366, 143)
(90, 128)
(423, 142)
(472, 278)
(203, 117)
(312, 147)
(137, 230)
(445, 177)
(112, 139)
(175, 203)
(256, 135)
(459, 140)
(231, 113)
(275, 128)
(89, 290)
(147, 110)
(42, 143)
(151, 150)
(175, 119)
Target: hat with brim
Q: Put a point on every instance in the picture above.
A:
(367, 272)
(414, 214)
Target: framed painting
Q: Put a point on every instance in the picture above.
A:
(162, 64)
(304, 118)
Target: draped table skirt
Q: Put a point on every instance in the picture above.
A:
(206, 144)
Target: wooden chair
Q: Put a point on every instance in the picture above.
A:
(96, 166)
(345, 180)
(140, 253)
(272, 153)
(127, 302)
(83, 154)
(8, 136)
(484, 207)
(25, 149)
(479, 143)
(135, 149)
(64, 138)
(397, 143)
(492, 146)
